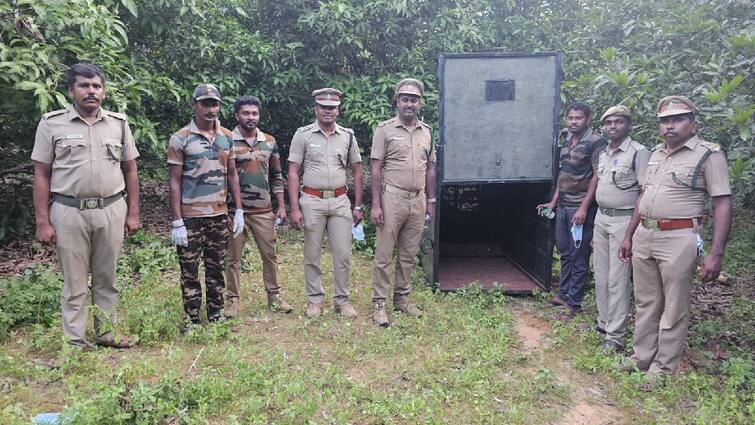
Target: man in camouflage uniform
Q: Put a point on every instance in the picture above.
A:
(403, 193)
(666, 245)
(619, 166)
(200, 157)
(256, 158)
(84, 159)
(573, 200)
(323, 150)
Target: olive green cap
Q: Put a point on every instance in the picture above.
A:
(410, 86)
(206, 91)
(618, 110)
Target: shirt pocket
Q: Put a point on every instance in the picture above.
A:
(71, 152)
(681, 176)
(316, 153)
(623, 176)
(112, 150)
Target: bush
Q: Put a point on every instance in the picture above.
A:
(31, 299)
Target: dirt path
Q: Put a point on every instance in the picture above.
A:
(590, 405)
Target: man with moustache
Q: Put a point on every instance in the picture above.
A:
(84, 160)
(620, 166)
(257, 157)
(573, 201)
(323, 151)
(663, 238)
(403, 195)
(202, 168)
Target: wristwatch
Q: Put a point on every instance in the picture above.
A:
(430, 200)
(359, 208)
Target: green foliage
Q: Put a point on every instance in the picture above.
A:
(33, 298)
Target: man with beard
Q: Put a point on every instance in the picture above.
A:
(573, 201)
(620, 166)
(403, 196)
(323, 150)
(256, 158)
(665, 247)
(202, 167)
(84, 159)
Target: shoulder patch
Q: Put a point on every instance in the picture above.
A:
(117, 115)
(713, 147)
(305, 128)
(54, 113)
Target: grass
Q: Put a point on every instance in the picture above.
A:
(462, 362)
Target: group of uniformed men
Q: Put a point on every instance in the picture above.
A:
(649, 209)
(632, 204)
(86, 192)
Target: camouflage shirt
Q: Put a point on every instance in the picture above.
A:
(204, 183)
(576, 166)
(254, 163)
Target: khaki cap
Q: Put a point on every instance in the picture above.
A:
(410, 86)
(618, 110)
(327, 96)
(206, 91)
(675, 105)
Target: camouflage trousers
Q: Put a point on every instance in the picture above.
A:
(208, 240)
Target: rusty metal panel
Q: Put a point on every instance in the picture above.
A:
(499, 116)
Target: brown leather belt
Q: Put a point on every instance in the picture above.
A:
(325, 194)
(668, 224)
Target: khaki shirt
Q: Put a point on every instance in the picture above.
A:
(324, 159)
(404, 153)
(86, 159)
(618, 185)
(669, 177)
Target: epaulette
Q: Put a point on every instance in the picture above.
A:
(54, 113)
(305, 128)
(386, 122)
(346, 129)
(638, 146)
(422, 123)
(117, 115)
(658, 146)
(713, 147)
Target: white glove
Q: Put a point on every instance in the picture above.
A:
(178, 234)
(238, 222)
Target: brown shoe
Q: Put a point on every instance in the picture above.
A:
(313, 310)
(277, 303)
(346, 310)
(405, 306)
(558, 302)
(379, 315)
(231, 308)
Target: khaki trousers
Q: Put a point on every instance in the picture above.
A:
(403, 220)
(663, 262)
(612, 285)
(262, 228)
(333, 215)
(88, 242)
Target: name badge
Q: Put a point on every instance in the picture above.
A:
(312, 145)
(654, 162)
(74, 136)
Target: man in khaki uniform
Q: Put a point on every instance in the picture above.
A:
(664, 249)
(403, 193)
(257, 157)
(619, 166)
(84, 160)
(323, 150)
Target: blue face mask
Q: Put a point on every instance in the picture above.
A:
(576, 234)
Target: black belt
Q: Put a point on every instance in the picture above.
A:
(86, 203)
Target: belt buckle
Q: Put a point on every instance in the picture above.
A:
(652, 224)
(327, 194)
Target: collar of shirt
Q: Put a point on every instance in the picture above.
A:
(690, 144)
(238, 136)
(194, 129)
(336, 128)
(567, 135)
(624, 146)
(399, 123)
(73, 114)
